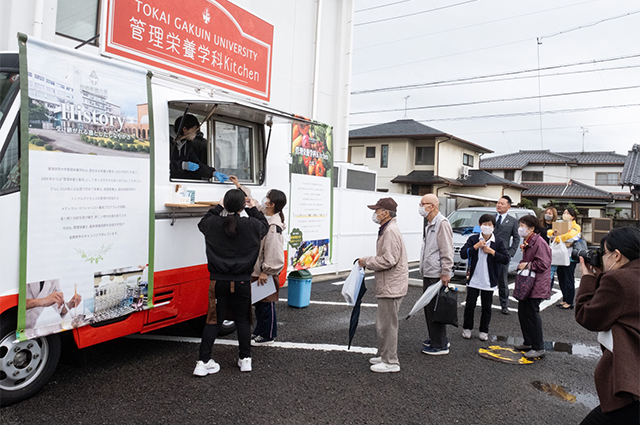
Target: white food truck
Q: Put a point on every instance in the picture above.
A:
(91, 218)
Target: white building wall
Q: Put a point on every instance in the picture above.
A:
(449, 157)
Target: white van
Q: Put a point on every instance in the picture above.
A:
(464, 223)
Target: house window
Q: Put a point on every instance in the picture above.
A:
(424, 155)
(384, 156)
(607, 179)
(371, 151)
(467, 159)
(233, 147)
(532, 176)
(510, 175)
(78, 19)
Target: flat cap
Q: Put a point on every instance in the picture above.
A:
(385, 203)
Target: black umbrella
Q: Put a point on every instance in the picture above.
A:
(355, 314)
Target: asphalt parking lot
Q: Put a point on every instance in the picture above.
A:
(309, 376)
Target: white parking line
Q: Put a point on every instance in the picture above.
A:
(332, 303)
(277, 344)
(555, 297)
(341, 282)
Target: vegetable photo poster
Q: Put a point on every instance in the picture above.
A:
(86, 215)
(311, 196)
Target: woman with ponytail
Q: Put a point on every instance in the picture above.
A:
(270, 263)
(232, 244)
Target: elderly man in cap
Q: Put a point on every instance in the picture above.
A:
(392, 281)
(436, 263)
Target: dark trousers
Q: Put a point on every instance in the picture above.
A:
(266, 323)
(239, 301)
(437, 331)
(627, 415)
(530, 322)
(503, 285)
(566, 277)
(486, 298)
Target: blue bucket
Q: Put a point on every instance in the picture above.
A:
(299, 291)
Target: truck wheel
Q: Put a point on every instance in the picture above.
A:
(228, 327)
(26, 366)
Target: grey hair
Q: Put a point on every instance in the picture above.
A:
(392, 214)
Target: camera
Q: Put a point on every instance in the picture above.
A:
(592, 257)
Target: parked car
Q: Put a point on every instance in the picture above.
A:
(464, 223)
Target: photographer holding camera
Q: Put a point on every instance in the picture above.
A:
(608, 302)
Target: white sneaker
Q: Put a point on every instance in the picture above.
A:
(385, 367)
(204, 369)
(483, 336)
(375, 360)
(466, 333)
(245, 364)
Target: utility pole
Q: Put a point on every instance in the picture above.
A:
(405, 105)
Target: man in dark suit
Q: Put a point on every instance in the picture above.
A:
(507, 231)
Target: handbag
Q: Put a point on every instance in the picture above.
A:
(351, 287)
(445, 310)
(559, 254)
(525, 279)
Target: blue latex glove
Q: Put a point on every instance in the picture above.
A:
(221, 176)
(192, 166)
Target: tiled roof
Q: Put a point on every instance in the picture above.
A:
(423, 177)
(631, 171)
(477, 178)
(409, 129)
(521, 159)
(484, 178)
(574, 189)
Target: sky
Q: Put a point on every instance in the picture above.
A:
(576, 61)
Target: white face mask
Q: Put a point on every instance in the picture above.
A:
(548, 217)
(375, 218)
(486, 230)
(523, 231)
(264, 201)
(567, 217)
(422, 211)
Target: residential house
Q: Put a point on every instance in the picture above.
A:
(590, 180)
(631, 177)
(413, 158)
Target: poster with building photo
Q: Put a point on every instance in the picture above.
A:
(311, 197)
(86, 192)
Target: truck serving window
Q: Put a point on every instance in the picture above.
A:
(232, 146)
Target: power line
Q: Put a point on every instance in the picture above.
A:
(588, 25)
(478, 102)
(501, 74)
(550, 128)
(381, 6)
(414, 14)
(516, 114)
(472, 25)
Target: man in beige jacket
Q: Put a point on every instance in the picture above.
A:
(392, 281)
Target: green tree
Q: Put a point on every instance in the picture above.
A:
(38, 112)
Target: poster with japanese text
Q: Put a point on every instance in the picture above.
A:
(86, 198)
(311, 196)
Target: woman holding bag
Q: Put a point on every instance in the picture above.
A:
(536, 257)
(566, 274)
(608, 302)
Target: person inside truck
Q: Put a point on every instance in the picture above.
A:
(188, 152)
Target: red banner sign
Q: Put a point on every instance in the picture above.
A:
(213, 41)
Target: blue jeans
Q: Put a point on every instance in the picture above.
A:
(554, 269)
